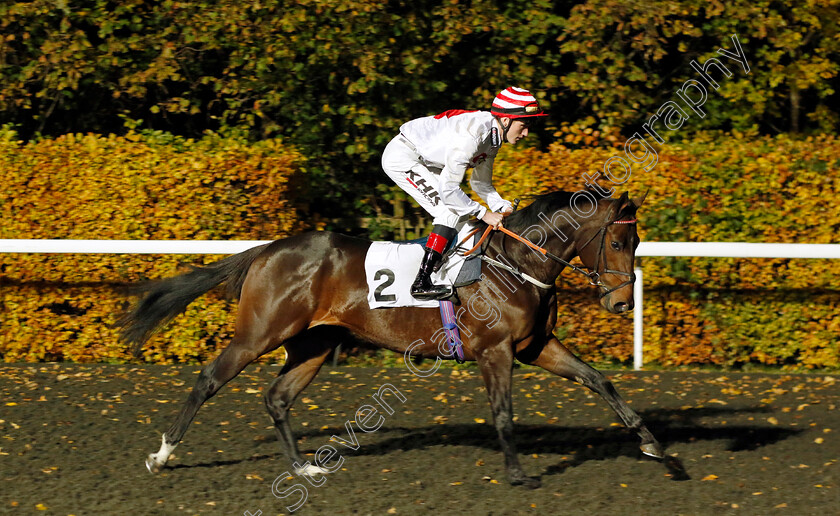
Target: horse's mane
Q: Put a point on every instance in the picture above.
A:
(546, 203)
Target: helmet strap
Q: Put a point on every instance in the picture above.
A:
(505, 128)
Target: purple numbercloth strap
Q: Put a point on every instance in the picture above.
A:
(450, 328)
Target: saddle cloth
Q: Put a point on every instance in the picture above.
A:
(390, 268)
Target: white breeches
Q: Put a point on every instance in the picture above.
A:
(406, 168)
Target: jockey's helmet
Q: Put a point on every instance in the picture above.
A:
(516, 103)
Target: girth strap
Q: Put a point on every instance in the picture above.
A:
(450, 328)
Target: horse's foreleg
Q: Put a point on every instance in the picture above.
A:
(303, 361)
(230, 362)
(496, 368)
(559, 360)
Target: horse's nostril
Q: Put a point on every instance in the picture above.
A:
(621, 307)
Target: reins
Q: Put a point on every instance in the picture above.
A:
(594, 277)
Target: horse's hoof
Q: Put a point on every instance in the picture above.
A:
(526, 481)
(653, 449)
(310, 471)
(152, 465)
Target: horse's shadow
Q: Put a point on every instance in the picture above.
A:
(217, 463)
(669, 425)
(576, 444)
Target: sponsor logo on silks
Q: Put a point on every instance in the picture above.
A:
(453, 112)
(494, 138)
(427, 190)
(478, 160)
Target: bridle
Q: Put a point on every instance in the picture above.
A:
(593, 276)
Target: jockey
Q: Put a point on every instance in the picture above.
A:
(430, 157)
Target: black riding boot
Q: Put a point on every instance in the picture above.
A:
(423, 288)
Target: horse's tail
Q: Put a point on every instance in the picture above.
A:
(166, 298)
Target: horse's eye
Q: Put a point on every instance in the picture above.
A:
(616, 246)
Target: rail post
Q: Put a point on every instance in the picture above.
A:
(638, 316)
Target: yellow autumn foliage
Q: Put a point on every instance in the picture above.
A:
(137, 187)
(714, 188)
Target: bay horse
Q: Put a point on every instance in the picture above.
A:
(290, 289)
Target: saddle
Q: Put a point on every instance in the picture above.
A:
(390, 268)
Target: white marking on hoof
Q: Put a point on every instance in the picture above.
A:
(310, 470)
(156, 461)
(152, 465)
(653, 450)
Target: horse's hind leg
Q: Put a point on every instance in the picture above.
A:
(557, 359)
(305, 354)
(230, 362)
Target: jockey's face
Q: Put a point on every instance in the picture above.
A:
(518, 130)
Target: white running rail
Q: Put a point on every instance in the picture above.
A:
(129, 246)
(713, 250)
(683, 249)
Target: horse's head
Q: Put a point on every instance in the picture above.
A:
(605, 239)
(606, 244)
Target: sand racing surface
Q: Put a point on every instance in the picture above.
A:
(73, 439)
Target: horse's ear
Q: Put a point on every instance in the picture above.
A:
(639, 200)
(621, 203)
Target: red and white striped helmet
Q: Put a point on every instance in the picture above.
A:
(516, 103)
